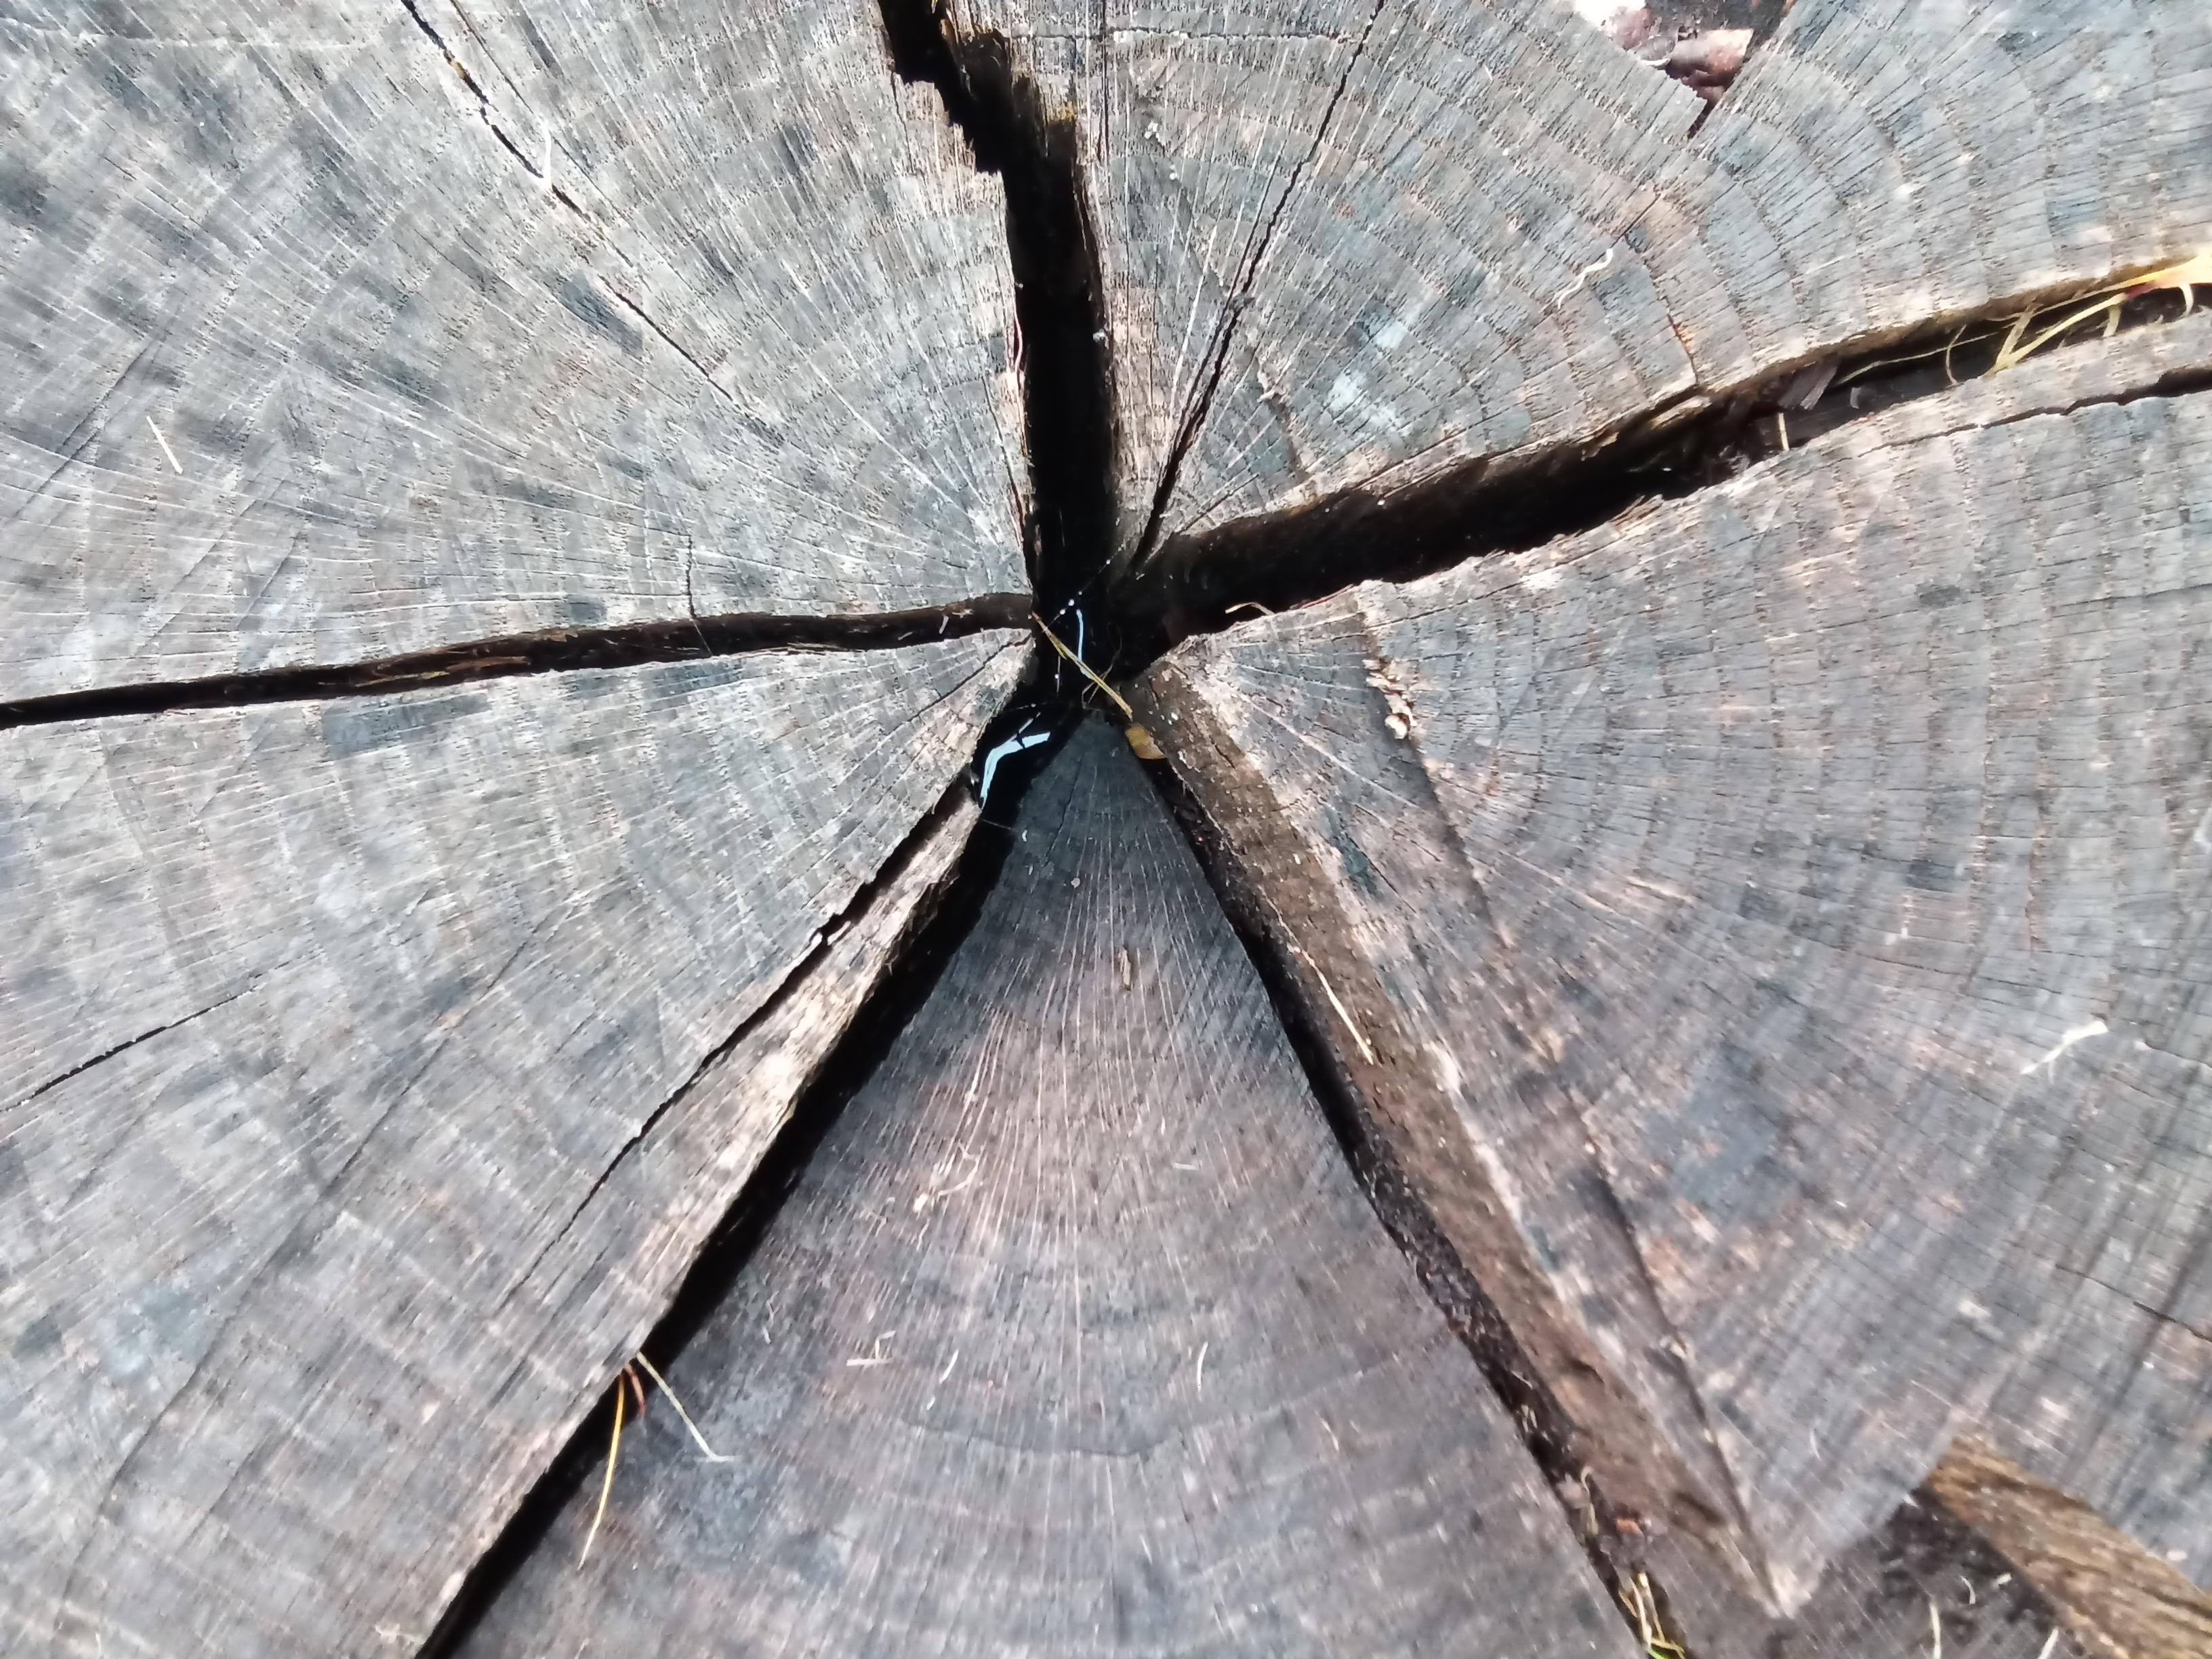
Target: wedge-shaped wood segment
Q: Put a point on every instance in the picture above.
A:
(1366, 245)
(1883, 163)
(373, 1070)
(319, 352)
(1772, 933)
(1924, 1579)
(1076, 1335)
(1345, 242)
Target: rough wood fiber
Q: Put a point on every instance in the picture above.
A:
(308, 361)
(2164, 361)
(1366, 245)
(367, 1099)
(1395, 330)
(1883, 163)
(1344, 242)
(1779, 926)
(1924, 1586)
(1076, 1336)
(816, 237)
(2119, 1601)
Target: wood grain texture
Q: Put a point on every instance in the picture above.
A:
(313, 350)
(1442, 286)
(374, 1070)
(1366, 246)
(1885, 163)
(2119, 1602)
(1778, 923)
(1076, 1336)
(1341, 240)
(2164, 361)
(1923, 1579)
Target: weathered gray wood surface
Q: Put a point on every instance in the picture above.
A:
(1362, 245)
(1303, 293)
(370, 1084)
(1772, 932)
(1077, 1336)
(1922, 1578)
(1885, 163)
(2116, 1598)
(318, 351)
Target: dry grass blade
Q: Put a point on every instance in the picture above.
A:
(1086, 669)
(661, 1382)
(614, 1456)
(626, 1384)
(1875, 365)
(1650, 1630)
(2182, 278)
(2016, 348)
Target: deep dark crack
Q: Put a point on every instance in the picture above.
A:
(1059, 307)
(898, 994)
(1119, 613)
(1119, 609)
(548, 652)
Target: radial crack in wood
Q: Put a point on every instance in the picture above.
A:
(1885, 163)
(557, 651)
(330, 340)
(1779, 925)
(1365, 251)
(374, 1069)
(1299, 300)
(1076, 1335)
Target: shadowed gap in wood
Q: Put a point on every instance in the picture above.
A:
(899, 994)
(1062, 347)
(552, 652)
(1203, 583)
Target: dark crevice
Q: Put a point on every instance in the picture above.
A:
(1215, 362)
(1199, 584)
(1061, 342)
(899, 992)
(1544, 1425)
(1120, 619)
(553, 651)
(1793, 407)
(1202, 583)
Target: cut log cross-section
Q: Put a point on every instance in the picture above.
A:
(1773, 930)
(1077, 1333)
(516, 522)
(382, 1064)
(376, 1061)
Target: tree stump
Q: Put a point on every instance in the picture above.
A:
(1007, 826)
